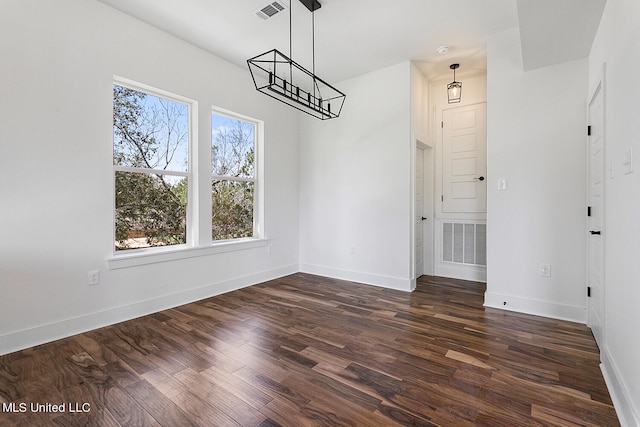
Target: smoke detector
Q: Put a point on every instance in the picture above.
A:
(443, 49)
(270, 10)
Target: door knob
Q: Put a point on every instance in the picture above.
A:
(481, 178)
(597, 233)
(424, 217)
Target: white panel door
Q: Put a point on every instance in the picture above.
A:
(419, 238)
(464, 159)
(596, 311)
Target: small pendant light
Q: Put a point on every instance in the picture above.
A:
(454, 89)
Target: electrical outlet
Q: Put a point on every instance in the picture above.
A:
(502, 184)
(352, 250)
(94, 277)
(545, 270)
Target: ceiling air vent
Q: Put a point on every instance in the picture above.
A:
(270, 10)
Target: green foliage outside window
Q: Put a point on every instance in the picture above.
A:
(232, 210)
(151, 163)
(150, 144)
(233, 184)
(149, 211)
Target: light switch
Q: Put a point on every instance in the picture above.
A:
(627, 161)
(502, 184)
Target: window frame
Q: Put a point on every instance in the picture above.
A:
(257, 169)
(199, 201)
(190, 174)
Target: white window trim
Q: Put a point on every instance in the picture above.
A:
(190, 174)
(151, 171)
(197, 244)
(155, 255)
(258, 176)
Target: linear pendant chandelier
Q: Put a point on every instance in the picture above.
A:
(280, 77)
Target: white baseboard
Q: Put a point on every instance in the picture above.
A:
(476, 274)
(26, 338)
(535, 307)
(360, 277)
(628, 411)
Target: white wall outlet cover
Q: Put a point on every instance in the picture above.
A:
(502, 184)
(545, 270)
(94, 277)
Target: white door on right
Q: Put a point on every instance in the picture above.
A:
(464, 159)
(596, 307)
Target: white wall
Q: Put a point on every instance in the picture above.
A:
(419, 94)
(536, 131)
(56, 189)
(618, 44)
(355, 184)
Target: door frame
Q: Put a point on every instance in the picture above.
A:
(428, 226)
(429, 208)
(599, 87)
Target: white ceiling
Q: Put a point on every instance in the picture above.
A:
(554, 31)
(353, 37)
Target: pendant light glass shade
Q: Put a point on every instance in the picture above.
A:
(454, 89)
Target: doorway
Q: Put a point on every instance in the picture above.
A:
(424, 210)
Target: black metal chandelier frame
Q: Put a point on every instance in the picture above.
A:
(280, 77)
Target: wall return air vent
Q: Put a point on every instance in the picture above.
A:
(270, 10)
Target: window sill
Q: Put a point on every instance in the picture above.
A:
(173, 253)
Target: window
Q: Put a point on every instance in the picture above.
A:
(151, 138)
(163, 187)
(233, 177)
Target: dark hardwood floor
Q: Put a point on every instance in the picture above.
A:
(305, 351)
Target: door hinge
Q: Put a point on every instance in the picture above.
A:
(589, 291)
(442, 124)
(588, 210)
(442, 198)
(589, 130)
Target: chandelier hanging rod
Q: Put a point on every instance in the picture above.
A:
(281, 78)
